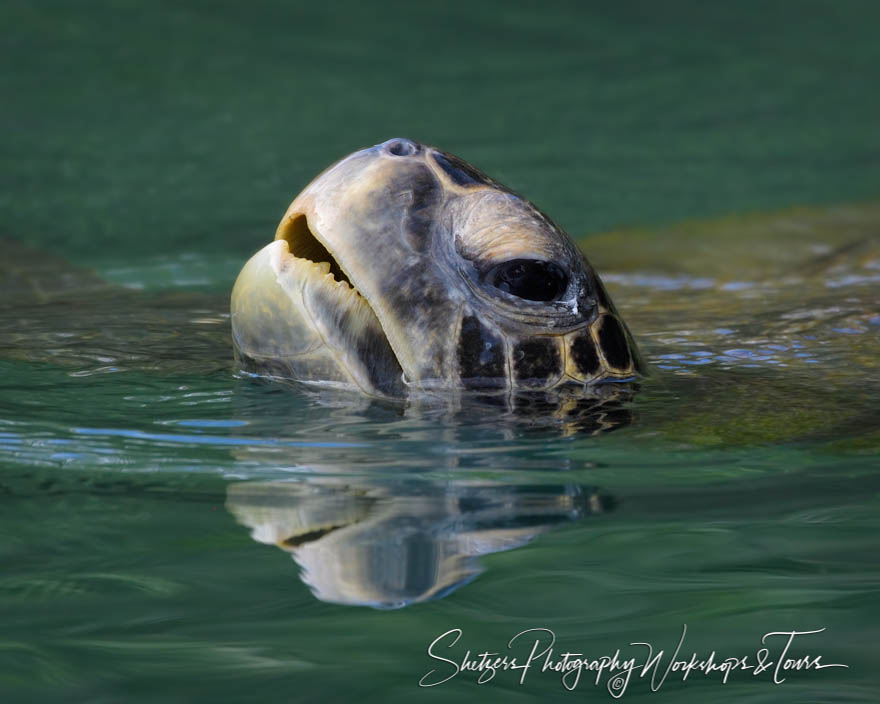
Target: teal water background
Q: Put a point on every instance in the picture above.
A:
(159, 143)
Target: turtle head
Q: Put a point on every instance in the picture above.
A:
(402, 265)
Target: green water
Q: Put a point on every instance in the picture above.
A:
(173, 532)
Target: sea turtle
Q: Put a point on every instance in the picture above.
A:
(403, 267)
(757, 328)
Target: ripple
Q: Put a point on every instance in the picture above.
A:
(660, 282)
(208, 439)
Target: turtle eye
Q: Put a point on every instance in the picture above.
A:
(532, 279)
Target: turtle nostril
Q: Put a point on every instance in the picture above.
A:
(402, 147)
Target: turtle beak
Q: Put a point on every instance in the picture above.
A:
(296, 315)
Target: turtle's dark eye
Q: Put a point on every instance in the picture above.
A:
(532, 279)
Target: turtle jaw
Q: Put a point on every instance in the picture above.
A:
(293, 318)
(329, 237)
(303, 244)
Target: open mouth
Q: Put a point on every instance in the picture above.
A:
(302, 244)
(341, 316)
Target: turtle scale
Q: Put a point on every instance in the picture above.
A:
(536, 361)
(612, 342)
(489, 359)
(481, 354)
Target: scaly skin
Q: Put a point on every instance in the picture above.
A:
(407, 233)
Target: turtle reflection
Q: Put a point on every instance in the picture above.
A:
(393, 543)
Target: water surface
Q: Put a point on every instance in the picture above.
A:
(175, 532)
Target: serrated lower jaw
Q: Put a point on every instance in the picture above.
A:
(353, 347)
(321, 281)
(319, 273)
(302, 243)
